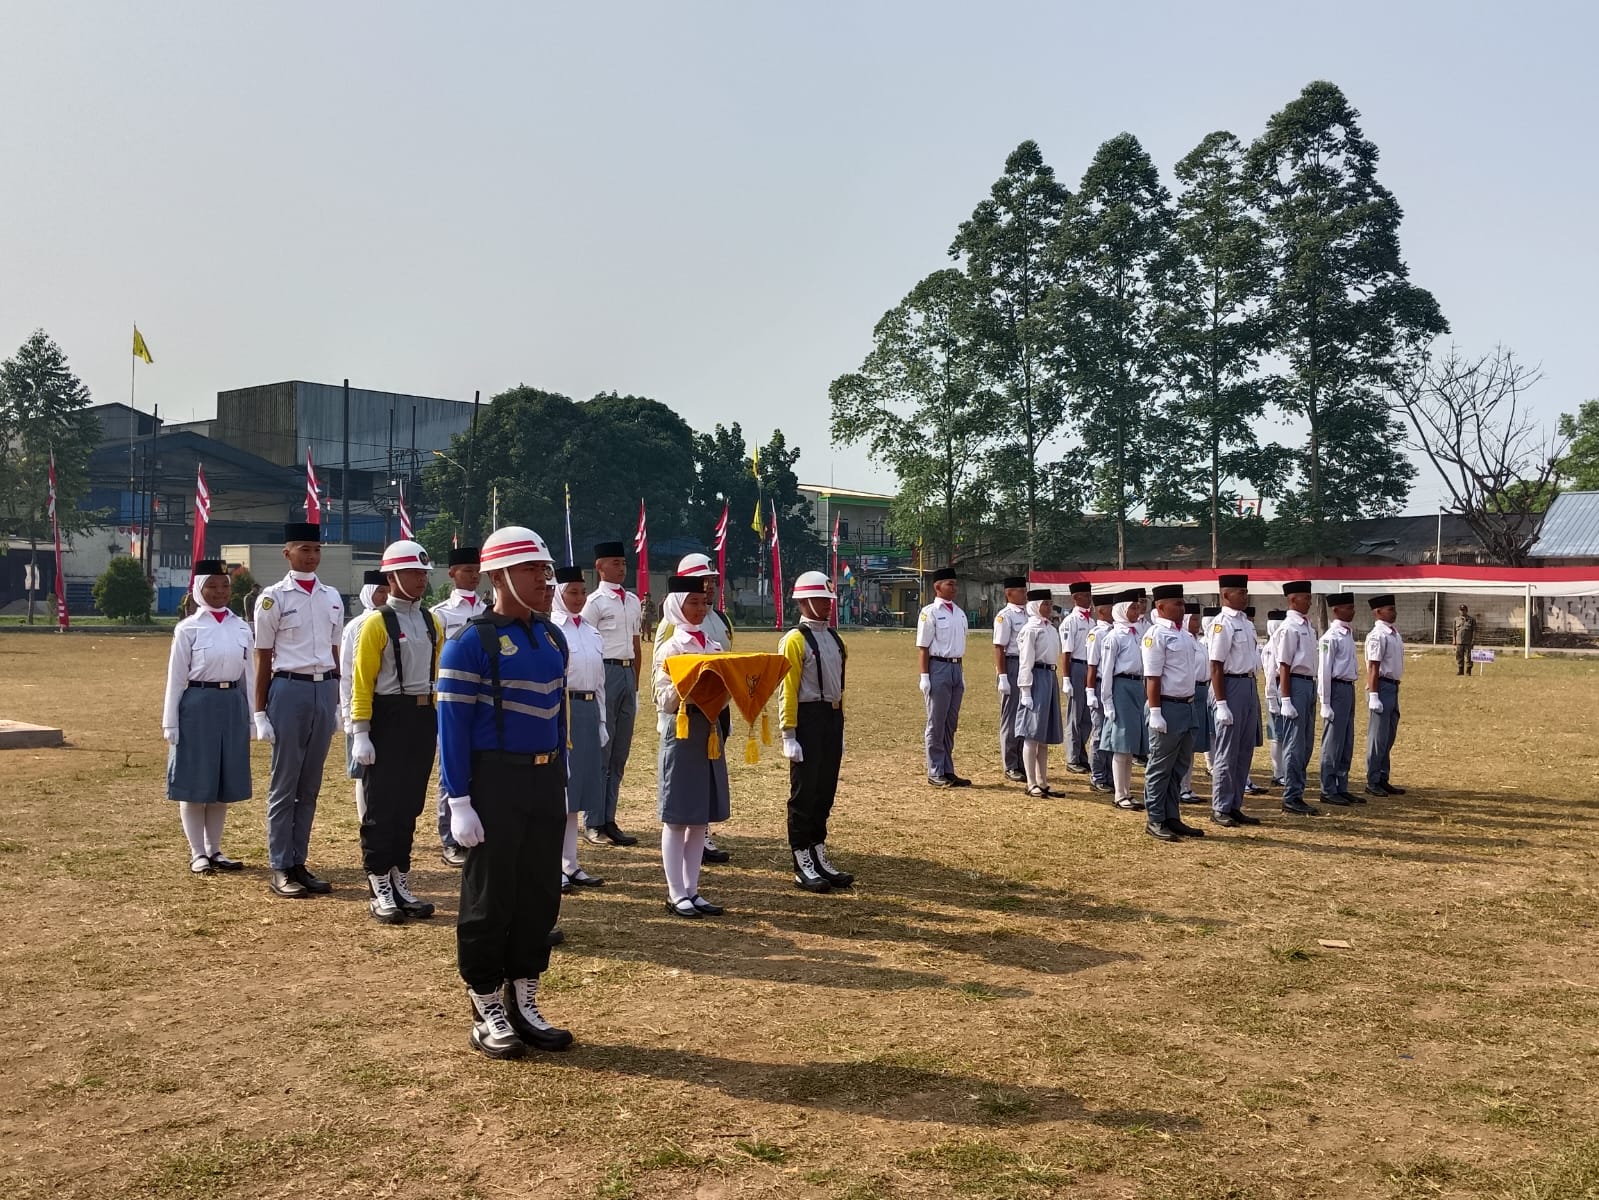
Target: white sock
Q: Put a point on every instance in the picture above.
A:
(706, 839)
(193, 817)
(569, 845)
(1029, 762)
(1277, 759)
(693, 858)
(1121, 775)
(673, 838)
(215, 816)
(1042, 754)
(1188, 779)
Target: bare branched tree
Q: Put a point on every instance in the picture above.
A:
(1470, 418)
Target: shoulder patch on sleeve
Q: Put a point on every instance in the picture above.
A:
(1216, 628)
(1149, 643)
(264, 602)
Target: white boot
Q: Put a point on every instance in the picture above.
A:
(521, 1002)
(806, 875)
(825, 868)
(384, 906)
(492, 1032)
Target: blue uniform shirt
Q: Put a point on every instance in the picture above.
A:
(532, 687)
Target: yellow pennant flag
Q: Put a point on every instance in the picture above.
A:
(140, 350)
(756, 524)
(755, 462)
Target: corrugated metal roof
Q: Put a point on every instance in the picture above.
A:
(1570, 527)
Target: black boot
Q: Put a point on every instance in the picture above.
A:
(412, 907)
(805, 873)
(824, 868)
(492, 1032)
(521, 1006)
(384, 906)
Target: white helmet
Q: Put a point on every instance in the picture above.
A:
(405, 555)
(695, 564)
(513, 545)
(812, 585)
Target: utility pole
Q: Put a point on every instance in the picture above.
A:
(344, 517)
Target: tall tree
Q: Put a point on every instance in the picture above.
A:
(43, 409)
(1117, 255)
(1215, 331)
(918, 404)
(797, 538)
(1342, 307)
(722, 474)
(1579, 469)
(1005, 247)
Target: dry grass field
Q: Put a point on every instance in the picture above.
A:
(1021, 998)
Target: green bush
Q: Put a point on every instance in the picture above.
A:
(123, 591)
(243, 583)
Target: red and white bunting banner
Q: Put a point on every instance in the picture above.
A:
(641, 547)
(202, 519)
(405, 516)
(313, 498)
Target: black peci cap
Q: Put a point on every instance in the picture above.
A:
(1210, 612)
(609, 550)
(466, 556)
(1168, 591)
(1190, 610)
(1339, 599)
(569, 574)
(1081, 586)
(947, 573)
(1276, 614)
(1039, 594)
(1298, 587)
(302, 531)
(375, 578)
(1129, 595)
(1232, 581)
(685, 584)
(1103, 598)
(1014, 581)
(1250, 612)
(1382, 601)
(207, 567)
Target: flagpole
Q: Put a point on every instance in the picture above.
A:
(571, 560)
(133, 383)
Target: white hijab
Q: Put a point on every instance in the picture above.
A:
(1119, 613)
(1035, 611)
(368, 590)
(200, 605)
(561, 612)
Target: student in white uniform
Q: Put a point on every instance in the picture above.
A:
(1194, 626)
(1120, 680)
(940, 646)
(1337, 670)
(374, 595)
(586, 733)
(1385, 667)
(618, 616)
(1075, 627)
(205, 717)
(1008, 623)
(462, 605)
(1038, 708)
(1268, 671)
(1293, 655)
(1234, 702)
(1168, 658)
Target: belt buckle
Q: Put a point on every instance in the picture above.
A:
(837, 704)
(423, 700)
(317, 676)
(225, 684)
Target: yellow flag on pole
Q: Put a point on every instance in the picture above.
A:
(756, 524)
(140, 350)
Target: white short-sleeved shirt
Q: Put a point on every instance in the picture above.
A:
(302, 628)
(460, 608)
(585, 666)
(1386, 648)
(1075, 627)
(1119, 654)
(941, 629)
(1168, 652)
(1007, 624)
(1337, 652)
(617, 616)
(1294, 645)
(1233, 642)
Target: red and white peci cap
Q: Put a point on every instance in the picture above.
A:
(695, 565)
(813, 585)
(405, 556)
(511, 546)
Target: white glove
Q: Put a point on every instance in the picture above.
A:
(263, 729)
(1107, 705)
(791, 748)
(349, 727)
(1065, 685)
(171, 736)
(1157, 721)
(1288, 710)
(1027, 696)
(1224, 715)
(663, 722)
(1326, 712)
(1004, 685)
(605, 735)
(1273, 705)
(1093, 698)
(1374, 701)
(926, 684)
(465, 828)
(362, 749)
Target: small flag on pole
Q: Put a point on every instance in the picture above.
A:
(719, 541)
(641, 547)
(405, 516)
(55, 529)
(140, 350)
(202, 518)
(313, 501)
(569, 555)
(777, 573)
(832, 575)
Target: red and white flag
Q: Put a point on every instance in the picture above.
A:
(55, 529)
(202, 519)
(833, 573)
(313, 498)
(719, 541)
(405, 516)
(777, 573)
(641, 547)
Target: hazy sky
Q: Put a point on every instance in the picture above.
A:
(710, 204)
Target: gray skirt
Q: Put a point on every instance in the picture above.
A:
(585, 784)
(692, 788)
(211, 762)
(1042, 722)
(1128, 733)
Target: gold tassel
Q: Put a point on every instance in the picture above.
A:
(766, 728)
(752, 752)
(681, 728)
(713, 745)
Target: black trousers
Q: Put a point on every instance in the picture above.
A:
(511, 885)
(813, 782)
(404, 734)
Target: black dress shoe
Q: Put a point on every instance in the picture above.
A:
(1351, 798)
(1375, 789)
(1335, 798)
(618, 838)
(1244, 818)
(683, 908)
(597, 836)
(715, 854)
(1077, 769)
(1159, 832)
(702, 905)
(1179, 826)
(1276, 782)
(958, 781)
(1101, 787)
(1394, 791)
(453, 856)
(1016, 776)
(284, 883)
(221, 862)
(1300, 809)
(584, 880)
(1254, 789)
(317, 887)
(1225, 820)
(554, 938)
(939, 781)
(566, 884)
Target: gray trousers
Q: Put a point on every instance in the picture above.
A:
(1338, 739)
(1233, 748)
(1098, 760)
(1171, 754)
(1078, 720)
(303, 716)
(1010, 746)
(1296, 735)
(943, 716)
(1381, 731)
(621, 710)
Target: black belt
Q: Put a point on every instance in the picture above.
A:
(1300, 675)
(1388, 679)
(1238, 674)
(1348, 681)
(318, 677)
(584, 695)
(834, 704)
(422, 699)
(1176, 699)
(1122, 675)
(1015, 656)
(941, 658)
(232, 683)
(1045, 666)
(543, 758)
(619, 662)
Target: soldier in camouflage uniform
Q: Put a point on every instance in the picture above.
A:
(1465, 636)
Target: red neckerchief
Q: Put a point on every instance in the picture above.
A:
(697, 636)
(221, 616)
(306, 584)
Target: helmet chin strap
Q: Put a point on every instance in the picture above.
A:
(516, 595)
(394, 586)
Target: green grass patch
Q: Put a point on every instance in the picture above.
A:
(761, 1151)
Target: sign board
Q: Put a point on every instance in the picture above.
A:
(1482, 656)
